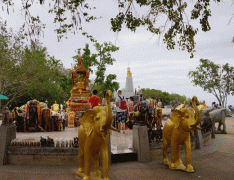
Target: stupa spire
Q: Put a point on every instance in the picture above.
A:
(129, 74)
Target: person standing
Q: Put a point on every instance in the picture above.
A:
(64, 105)
(63, 115)
(152, 102)
(94, 99)
(130, 108)
(130, 105)
(159, 111)
(214, 105)
(153, 106)
(159, 102)
(120, 116)
(103, 99)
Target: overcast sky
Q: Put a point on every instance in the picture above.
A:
(151, 64)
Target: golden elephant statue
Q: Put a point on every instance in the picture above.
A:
(181, 106)
(176, 131)
(200, 107)
(93, 139)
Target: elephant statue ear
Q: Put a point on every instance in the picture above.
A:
(176, 118)
(87, 121)
(191, 111)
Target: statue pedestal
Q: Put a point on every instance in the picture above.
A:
(141, 143)
(7, 133)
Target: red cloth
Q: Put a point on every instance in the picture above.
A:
(94, 100)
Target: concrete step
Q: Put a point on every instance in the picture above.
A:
(55, 156)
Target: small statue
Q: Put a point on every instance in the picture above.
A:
(43, 142)
(80, 81)
(76, 142)
(55, 107)
(7, 117)
(49, 142)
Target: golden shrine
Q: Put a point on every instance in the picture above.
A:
(79, 100)
(55, 109)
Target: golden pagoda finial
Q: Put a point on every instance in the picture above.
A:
(129, 74)
(80, 61)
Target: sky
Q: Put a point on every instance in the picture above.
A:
(151, 64)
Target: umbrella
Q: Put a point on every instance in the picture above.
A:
(3, 97)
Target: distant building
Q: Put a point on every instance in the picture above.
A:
(129, 82)
(128, 91)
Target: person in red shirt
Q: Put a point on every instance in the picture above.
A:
(94, 99)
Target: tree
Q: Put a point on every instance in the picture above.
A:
(29, 72)
(101, 82)
(216, 79)
(167, 98)
(53, 84)
(16, 73)
(132, 13)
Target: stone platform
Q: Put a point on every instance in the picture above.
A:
(120, 143)
(121, 148)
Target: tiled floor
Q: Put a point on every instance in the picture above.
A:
(120, 143)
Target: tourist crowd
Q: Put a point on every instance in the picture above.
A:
(124, 109)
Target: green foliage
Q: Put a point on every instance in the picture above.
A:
(101, 83)
(89, 59)
(78, 10)
(109, 84)
(174, 10)
(216, 79)
(167, 99)
(13, 69)
(30, 73)
(176, 25)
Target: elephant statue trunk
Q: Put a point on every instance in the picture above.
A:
(106, 124)
(198, 114)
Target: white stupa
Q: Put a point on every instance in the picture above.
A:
(128, 91)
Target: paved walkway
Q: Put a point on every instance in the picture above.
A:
(214, 161)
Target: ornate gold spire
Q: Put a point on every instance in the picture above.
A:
(129, 74)
(80, 61)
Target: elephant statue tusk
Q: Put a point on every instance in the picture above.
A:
(114, 129)
(196, 127)
(111, 128)
(199, 128)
